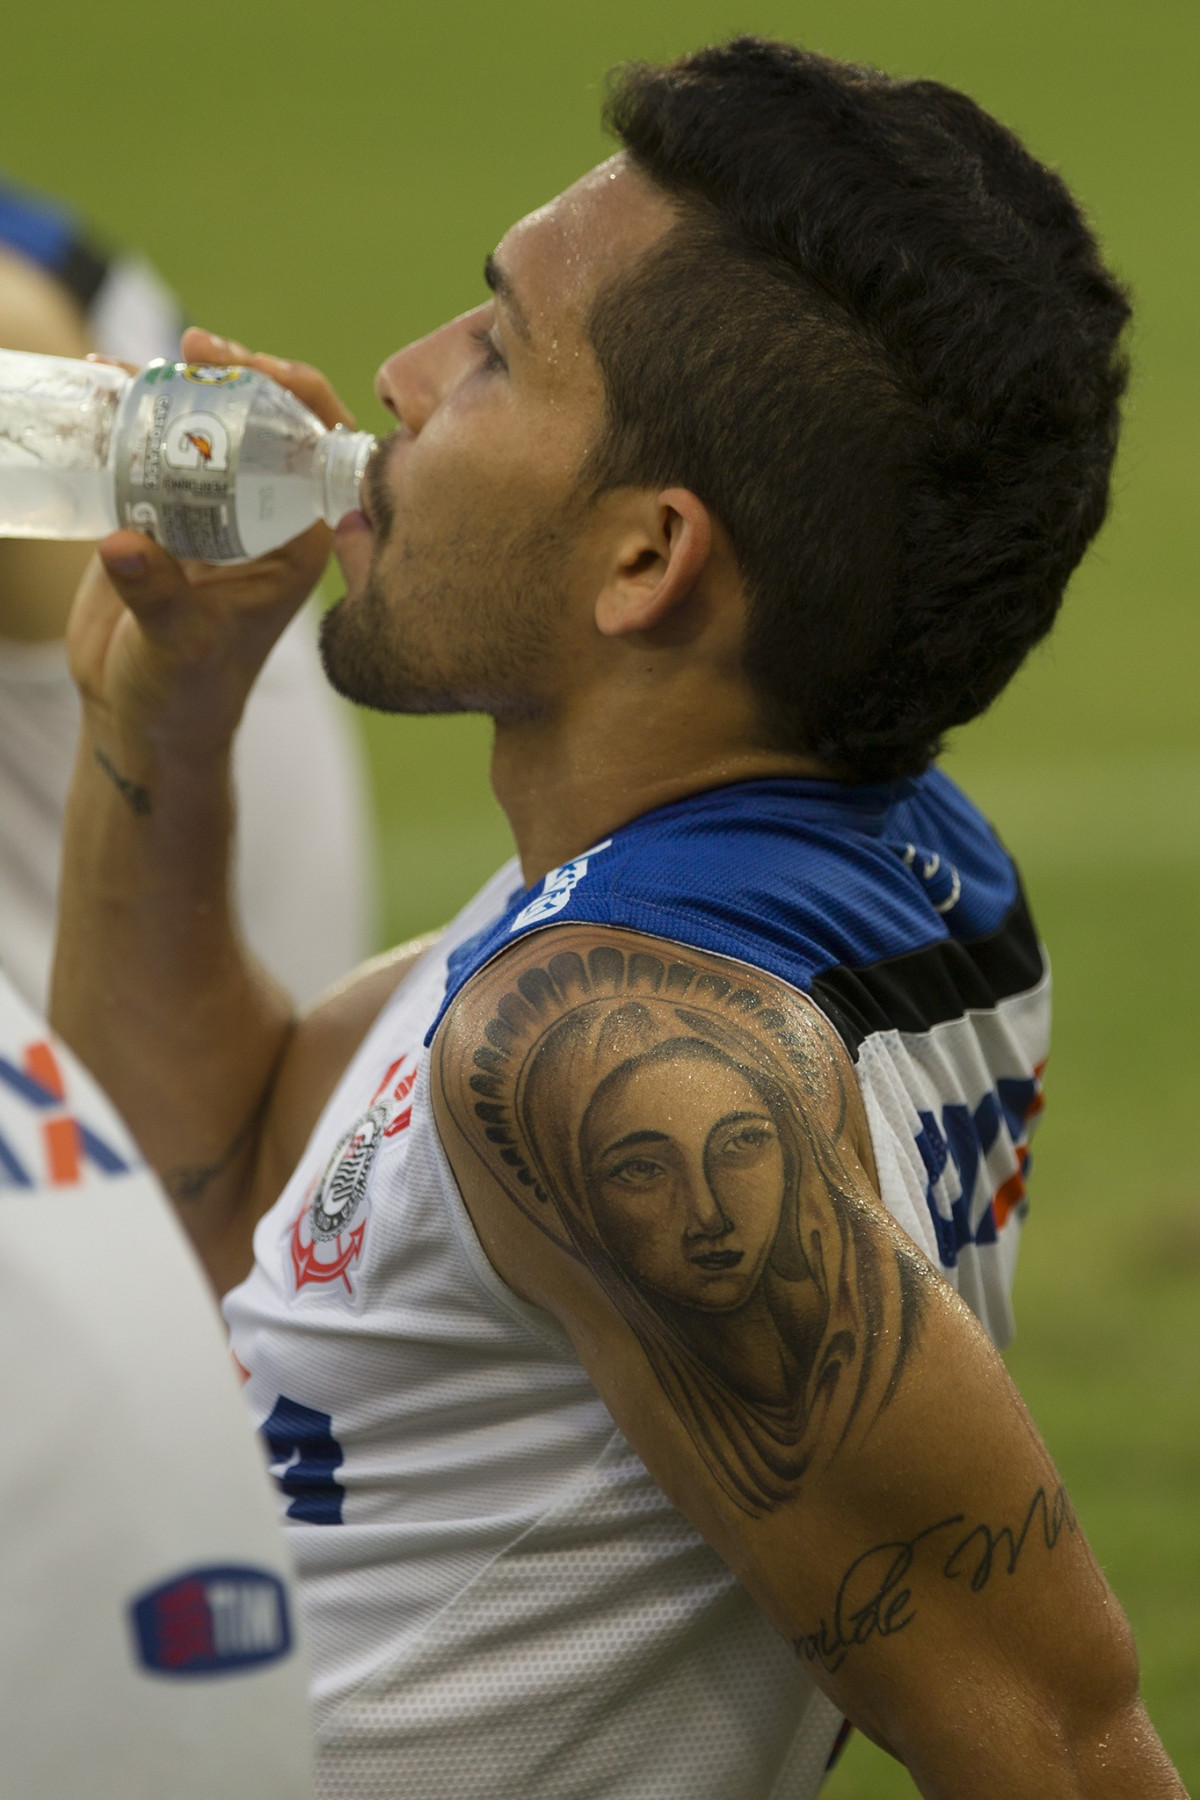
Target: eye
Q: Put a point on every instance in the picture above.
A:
(635, 1171)
(746, 1142)
(492, 361)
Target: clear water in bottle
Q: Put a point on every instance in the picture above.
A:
(56, 427)
(217, 463)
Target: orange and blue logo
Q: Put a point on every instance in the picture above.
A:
(68, 1145)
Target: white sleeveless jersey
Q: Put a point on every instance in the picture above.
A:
(500, 1600)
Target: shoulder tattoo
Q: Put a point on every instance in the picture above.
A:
(678, 1125)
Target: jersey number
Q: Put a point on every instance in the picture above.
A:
(303, 1433)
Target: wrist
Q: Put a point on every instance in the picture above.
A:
(167, 716)
(168, 663)
(147, 767)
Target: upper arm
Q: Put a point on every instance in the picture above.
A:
(668, 1151)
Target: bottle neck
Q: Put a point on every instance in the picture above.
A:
(341, 460)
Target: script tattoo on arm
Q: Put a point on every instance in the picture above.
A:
(135, 796)
(875, 1597)
(681, 1132)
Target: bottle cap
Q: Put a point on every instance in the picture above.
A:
(346, 456)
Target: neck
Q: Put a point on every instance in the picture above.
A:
(570, 780)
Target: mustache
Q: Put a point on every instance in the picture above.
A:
(380, 509)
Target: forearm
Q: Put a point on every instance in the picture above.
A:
(1032, 1752)
(152, 985)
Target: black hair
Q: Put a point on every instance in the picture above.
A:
(881, 345)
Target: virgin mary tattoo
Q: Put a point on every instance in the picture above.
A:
(678, 1133)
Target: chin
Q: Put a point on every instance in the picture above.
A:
(719, 1297)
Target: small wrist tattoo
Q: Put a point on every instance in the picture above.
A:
(135, 796)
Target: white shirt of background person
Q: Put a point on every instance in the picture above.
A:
(147, 1623)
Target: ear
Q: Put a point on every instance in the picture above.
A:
(660, 558)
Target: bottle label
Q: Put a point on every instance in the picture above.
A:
(180, 434)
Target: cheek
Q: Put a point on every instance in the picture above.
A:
(752, 1196)
(484, 457)
(638, 1231)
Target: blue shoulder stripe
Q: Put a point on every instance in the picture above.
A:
(800, 878)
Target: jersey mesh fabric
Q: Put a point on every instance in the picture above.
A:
(505, 1603)
(581, 1663)
(500, 1600)
(796, 877)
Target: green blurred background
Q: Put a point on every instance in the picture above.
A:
(325, 181)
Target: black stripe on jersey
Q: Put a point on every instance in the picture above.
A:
(927, 987)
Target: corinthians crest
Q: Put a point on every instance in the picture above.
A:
(344, 1183)
(325, 1240)
(334, 1241)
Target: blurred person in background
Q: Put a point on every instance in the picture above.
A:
(304, 863)
(148, 1641)
(148, 1632)
(620, 1279)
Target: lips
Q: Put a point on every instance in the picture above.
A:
(351, 526)
(717, 1261)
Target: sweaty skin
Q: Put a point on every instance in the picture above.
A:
(802, 1384)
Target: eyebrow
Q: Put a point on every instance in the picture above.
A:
(636, 1137)
(502, 287)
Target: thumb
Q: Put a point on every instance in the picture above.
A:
(146, 577)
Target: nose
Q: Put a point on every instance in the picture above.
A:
(413, 383)
(706, 1218)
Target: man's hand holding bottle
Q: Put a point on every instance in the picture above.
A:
(168, 650)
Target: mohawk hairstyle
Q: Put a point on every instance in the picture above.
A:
(881, 345)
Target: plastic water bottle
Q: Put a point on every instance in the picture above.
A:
(217, 463)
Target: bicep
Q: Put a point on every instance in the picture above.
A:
(668, 1152)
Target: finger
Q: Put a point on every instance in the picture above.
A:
(198, 345)
(146, 576)
(308, 384)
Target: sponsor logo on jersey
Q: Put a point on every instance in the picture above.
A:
(557, 888)
(326, 1238)
(977, 1161)
(942, 880)
(68, 1147)
(212, 1621)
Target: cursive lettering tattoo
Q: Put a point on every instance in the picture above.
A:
(875, 1597)
(679, 1125)
(135, 796)
(982, 1551)
(872, 1600)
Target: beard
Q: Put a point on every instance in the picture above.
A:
(458, 619)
